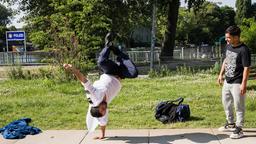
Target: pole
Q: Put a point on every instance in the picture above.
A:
(7, 48)
(153, 36)
(25, 46)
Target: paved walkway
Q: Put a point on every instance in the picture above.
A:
(137, 136)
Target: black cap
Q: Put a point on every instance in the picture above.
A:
(95, 112)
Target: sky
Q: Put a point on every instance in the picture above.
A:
(230, 3)
(16, 21)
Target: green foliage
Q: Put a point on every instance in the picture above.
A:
(75, 30)
(248, 35)
(40, 38)
(227, 17)
(72, 30)
(206, 25)
(152, 73)
(15, 73)
(253, 10)
(5, 16)
(243, 10)
(3, 29)
(185, 70)
(251, 104)
(216, 68)
(53, 73)
(164, 71)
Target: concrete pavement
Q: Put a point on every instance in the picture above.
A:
(137, 136)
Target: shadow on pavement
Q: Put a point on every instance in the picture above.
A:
(195, 118)
(250, 135)
(250, 131)
(166, 139)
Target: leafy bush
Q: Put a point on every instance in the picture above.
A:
(164, 71)
(153, 73)
(15, 73)
(248, 34)
(251, 102)
(216, 68)
(180, 70)
(185, 70)
(55, 73)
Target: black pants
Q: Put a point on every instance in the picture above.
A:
(125, 68)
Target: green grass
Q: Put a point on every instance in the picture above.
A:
(53, 105)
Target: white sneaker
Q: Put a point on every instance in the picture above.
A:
(237, 134)
(228, 128)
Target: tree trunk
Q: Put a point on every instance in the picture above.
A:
(169, 39)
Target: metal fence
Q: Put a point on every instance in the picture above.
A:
(143, 56)
(22, 57)
(136, 56)
(208, 53)
(37, 57)
(253, 59)
(192, 53)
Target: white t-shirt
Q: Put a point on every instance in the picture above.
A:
(108, 86)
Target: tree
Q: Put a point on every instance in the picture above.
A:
(5, 16)
(172, 12)
(227, 16)
(243, 10)
(110, 15)
(248, 35)
(169, 38)
(75, 29)
(253, 10)
(207, 25)
(170, 9)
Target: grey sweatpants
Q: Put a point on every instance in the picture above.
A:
(231, 95)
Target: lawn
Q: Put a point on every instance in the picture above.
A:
(55, 105)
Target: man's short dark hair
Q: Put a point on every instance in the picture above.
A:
(233, 30)
(95, 112)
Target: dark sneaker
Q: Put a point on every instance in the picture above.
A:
(228, 127)
(237, 134)
(109, 38)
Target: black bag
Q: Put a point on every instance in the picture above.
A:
(168, 111)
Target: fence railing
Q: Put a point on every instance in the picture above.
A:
(253, 59)
(210, 52)
(136, 56)
(143, 56)
(22, 57)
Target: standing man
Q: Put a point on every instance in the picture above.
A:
(104, 90)
(236, 66)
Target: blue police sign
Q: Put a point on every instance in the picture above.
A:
(15, 35)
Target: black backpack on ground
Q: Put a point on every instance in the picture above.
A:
(168, 111)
